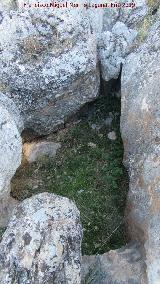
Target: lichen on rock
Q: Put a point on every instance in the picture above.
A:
(10, 153)
(42, 242)
(48, 64)
(140, 127)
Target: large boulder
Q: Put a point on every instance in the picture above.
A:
(140, 125)
(48, 63)
(42, 242)
(10, 154)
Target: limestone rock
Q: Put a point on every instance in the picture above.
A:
(10, 147)
(42, 242)
(117, 30)
(48, 63)
(33, 151)
(124, 265)
(7, 205)
(113, 48)
(140, 127)
(10, 154)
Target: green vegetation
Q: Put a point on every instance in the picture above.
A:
(149, 19)
(144, 27)
(87, 169)
(2, 230)
(153, 4)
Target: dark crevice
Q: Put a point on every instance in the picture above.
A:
(154, 11)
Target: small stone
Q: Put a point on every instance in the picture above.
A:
(112, 135)
(92, 145)
(95, 127)
(80, 191)
(108, 121)
(35, 187)
(33, 151)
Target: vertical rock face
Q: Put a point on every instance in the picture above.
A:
(140, 124)
(10, 153)
(48, 63)
(42, 242)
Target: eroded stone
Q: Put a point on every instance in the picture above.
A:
(42, 242)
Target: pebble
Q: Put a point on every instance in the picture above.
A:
(108, 121)
(92, 145)
(112, 135)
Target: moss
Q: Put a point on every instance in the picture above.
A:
(88, 169)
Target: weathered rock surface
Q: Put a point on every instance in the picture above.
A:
(35, 150)
(48, 63)
(113, 48)
(7, 5)
(140, 125)
(42, 242)
(124, 265)
(10, 154)
(118, 32)
(7, 205)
